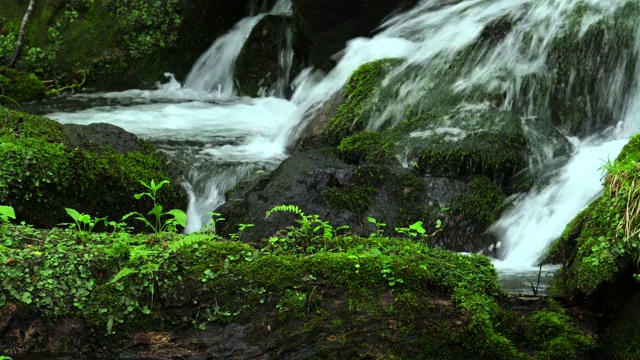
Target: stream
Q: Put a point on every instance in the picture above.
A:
(225, 137)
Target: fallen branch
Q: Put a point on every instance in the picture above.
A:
(23, 27)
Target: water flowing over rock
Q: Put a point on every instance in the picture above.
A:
(324, 27)
(214, 70)
(265, 65)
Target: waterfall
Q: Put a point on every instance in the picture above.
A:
(437, 34)
(285, 62)
(542, 215)
(213, 71)
(245, 136)
(432, 34)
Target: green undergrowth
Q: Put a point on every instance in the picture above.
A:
(603, 239)
(446, 304)
(109, 42)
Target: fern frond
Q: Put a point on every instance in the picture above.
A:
(285, 208)
(123, 273)
(186, 241)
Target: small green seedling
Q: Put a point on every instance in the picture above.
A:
(157, 223)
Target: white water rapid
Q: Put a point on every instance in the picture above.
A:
(213, 72)
(232, 138)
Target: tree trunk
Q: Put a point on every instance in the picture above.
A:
(22, 30)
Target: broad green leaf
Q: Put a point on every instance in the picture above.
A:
(7, 211)
(26, 297)
(73, 213)
(179, 215)
(157, 210)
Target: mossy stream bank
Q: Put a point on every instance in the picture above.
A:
(299, 295)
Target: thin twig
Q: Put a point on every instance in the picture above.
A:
(23, 28)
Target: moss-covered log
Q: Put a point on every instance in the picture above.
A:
(199, 295)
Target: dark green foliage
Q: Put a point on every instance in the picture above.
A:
(18, 87)
(621, 340)
(123, 43)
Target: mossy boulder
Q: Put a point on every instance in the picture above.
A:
(47, 168)
(117, 44)
(322, 28)
(468, 140)
(601, 245)
(348, 111)
(262, 67)
(18, 87)
(578, 96)
(202, 296)
(460, 136)
(454, 213)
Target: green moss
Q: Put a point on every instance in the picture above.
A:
(365, 147)
(22, 125)
(602, 239)
(358, 194)
(479, 154)
(484, 201)
(362, 94)
(41, 174)
(576, 69)
(557, 336)
(16, 86)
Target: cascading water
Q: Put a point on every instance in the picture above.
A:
(213, 72)
(233, 138)
(539, 217)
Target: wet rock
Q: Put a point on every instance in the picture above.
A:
(578, 96)
(323, 27)
(346, 195)
(266, 64)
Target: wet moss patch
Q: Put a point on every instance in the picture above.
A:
(482, 202)
(602, 240)
(18, 87)
(41, 173)
(362, 94)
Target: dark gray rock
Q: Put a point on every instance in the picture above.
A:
(324, 26)
(320, 184)
(261, 66)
